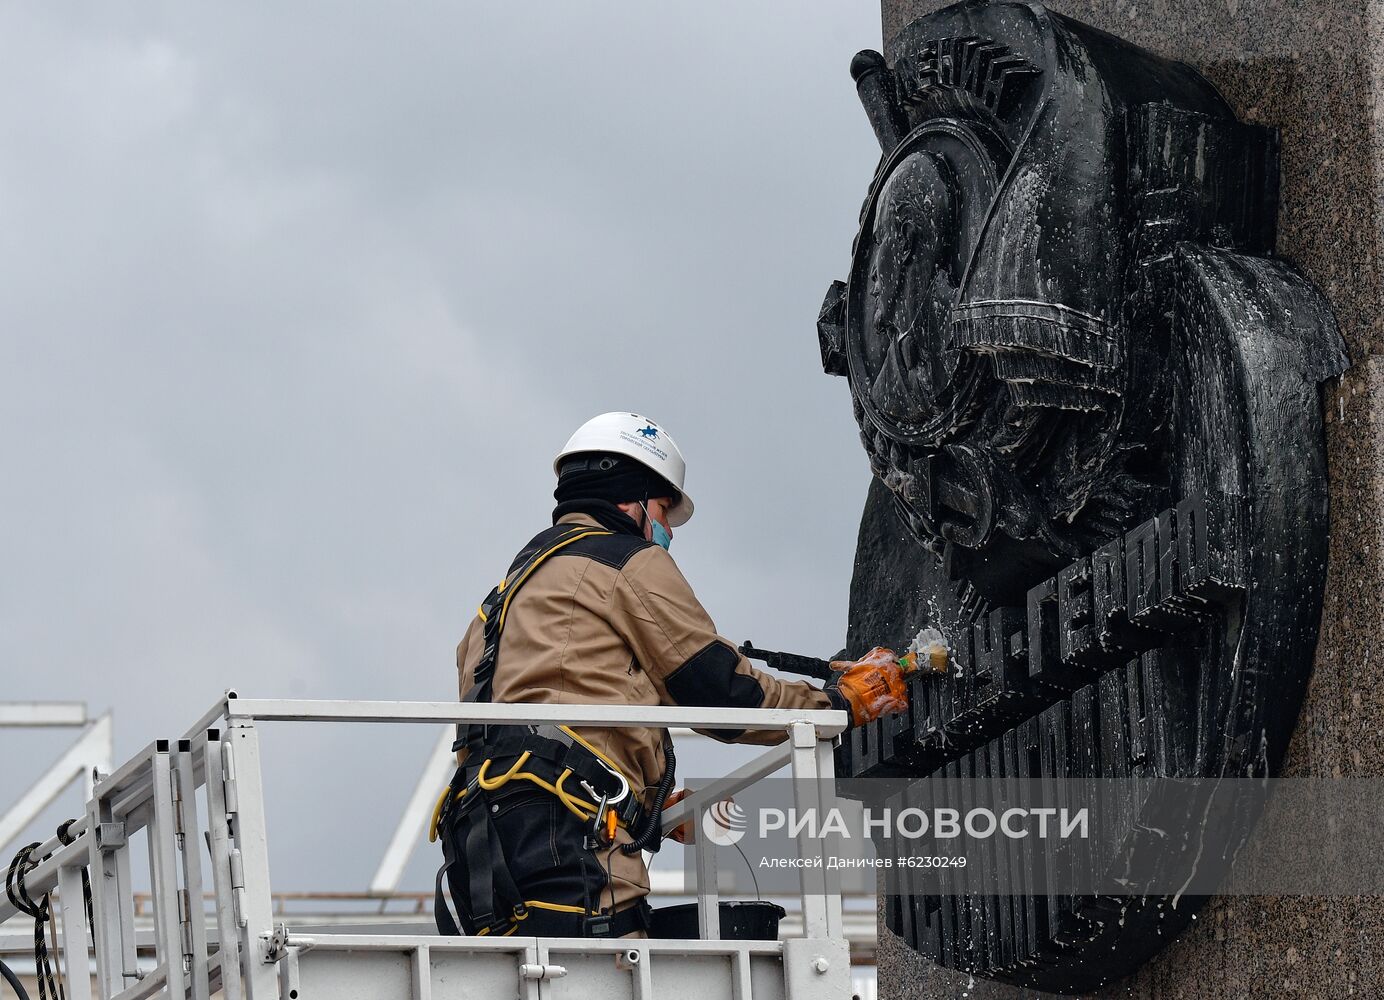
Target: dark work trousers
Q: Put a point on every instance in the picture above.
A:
(544, 847)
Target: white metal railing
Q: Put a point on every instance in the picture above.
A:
(416, 817)
(244, 954)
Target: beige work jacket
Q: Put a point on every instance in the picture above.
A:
(624, 628)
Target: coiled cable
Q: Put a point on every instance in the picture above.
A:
(652, 833)
(49, 987)
(50, 983)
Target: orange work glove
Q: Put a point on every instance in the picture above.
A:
(872, 686)
(679, 834)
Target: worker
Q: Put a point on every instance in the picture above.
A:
(542, 827)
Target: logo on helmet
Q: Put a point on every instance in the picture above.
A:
(650, 432)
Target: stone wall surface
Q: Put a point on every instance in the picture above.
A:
(1315, 70)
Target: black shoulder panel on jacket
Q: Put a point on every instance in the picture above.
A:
(613, 550)
(707, 679)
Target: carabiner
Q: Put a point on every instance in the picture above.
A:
(597, 838)
(613, 800)
(624, 785)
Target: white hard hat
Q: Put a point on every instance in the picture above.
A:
(638, 438)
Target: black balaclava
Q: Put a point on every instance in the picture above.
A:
(594, 482)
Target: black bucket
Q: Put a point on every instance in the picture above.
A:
(740, 921)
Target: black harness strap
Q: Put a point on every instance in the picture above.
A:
(552, 750)
(481, 860)
(488, 898)
(495, 607)
(493, 898)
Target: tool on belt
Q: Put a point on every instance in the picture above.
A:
(552, 759)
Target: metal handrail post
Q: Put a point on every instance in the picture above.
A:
(104, 883)
(806, 798)
(826, 787)
(189, 847)
(708, 878)
(219, 848)
(163, 859)
(74, 930)
(252, 894)
(125, 901)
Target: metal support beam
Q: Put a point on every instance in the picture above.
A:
(93, 749)
(43, 713)
(413, 824)
(420, 970)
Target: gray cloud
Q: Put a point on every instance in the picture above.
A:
(298, 302)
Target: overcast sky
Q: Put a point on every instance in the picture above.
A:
(297, 303)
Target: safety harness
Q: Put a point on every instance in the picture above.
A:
(553, 758)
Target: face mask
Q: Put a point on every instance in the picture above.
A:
(660, 533)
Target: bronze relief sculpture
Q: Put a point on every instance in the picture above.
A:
(1089, 394)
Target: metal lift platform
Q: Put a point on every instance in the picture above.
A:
(199, 800)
